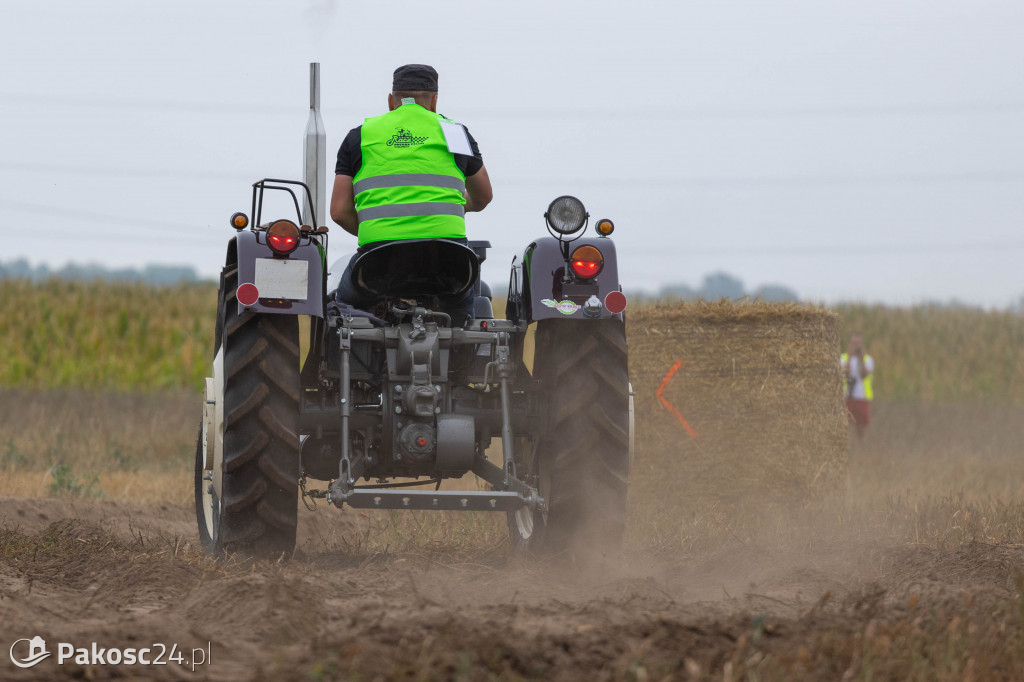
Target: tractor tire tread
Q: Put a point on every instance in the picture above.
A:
(246, 453)
(240, 499)
(253, 402)
(248, 357)
(259, 508)
(584, 368)
(282, 478)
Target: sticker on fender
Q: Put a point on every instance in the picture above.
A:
(279, 278)
(565, 307)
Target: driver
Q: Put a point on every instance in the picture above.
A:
(398, 178)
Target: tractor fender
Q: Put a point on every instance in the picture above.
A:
(250, 246)
(538, 290)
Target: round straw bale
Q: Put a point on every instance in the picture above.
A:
(753, 411)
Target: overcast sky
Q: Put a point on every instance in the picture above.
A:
(869, 150)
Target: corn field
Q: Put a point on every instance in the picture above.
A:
(115, 336)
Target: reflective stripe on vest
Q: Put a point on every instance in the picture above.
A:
(409, 210)
(408, 186)
(409, 180)
(869, 392)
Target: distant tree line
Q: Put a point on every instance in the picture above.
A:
(148, 274)
(717, 286)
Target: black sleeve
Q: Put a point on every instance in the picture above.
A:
(470, 165)
(350, 154)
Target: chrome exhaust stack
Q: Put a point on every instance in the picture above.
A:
(315, 155)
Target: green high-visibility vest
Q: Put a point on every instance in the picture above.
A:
(869, 391)
(408, 186)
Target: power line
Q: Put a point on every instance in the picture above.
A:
(100, 217)
(132, 104)
(654, 112)
(192, 231)
(841, 250)
(781, 181)
(212, 234)
(547, 112)
(177, 106)
(972, 177)
(157, 173)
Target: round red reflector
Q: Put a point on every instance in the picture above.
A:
(248, 294)
(615, 302)
(421, 441)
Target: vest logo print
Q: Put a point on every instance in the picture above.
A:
(405, 138)
(565, 307)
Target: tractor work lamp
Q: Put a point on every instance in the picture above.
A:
(566, 215)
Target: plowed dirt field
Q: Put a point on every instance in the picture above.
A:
(127, 575)
(914, 572)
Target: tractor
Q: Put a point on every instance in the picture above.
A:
(391, 408)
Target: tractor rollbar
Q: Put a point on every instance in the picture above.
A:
(260, 185)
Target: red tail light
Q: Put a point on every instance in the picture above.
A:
(283, 236)
(586, 262)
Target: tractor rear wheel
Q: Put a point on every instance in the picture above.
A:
(581, 464)
(257, 512)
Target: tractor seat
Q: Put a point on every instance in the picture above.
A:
(416, 267)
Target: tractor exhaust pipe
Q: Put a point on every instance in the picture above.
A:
(315, 152)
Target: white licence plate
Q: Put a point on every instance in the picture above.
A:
(277, 278)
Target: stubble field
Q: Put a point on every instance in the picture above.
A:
(913, 571)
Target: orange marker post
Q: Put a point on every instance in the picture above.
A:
(670, 406)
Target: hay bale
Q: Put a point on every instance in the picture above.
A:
(758, 384)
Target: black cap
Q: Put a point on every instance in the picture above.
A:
(414, 78)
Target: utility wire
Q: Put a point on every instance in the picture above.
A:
(782, 181)
(211, 233)
(547, 112)
(105, 218)
(670, 114)
(158, 173)
(839, 250)
(973, 177)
